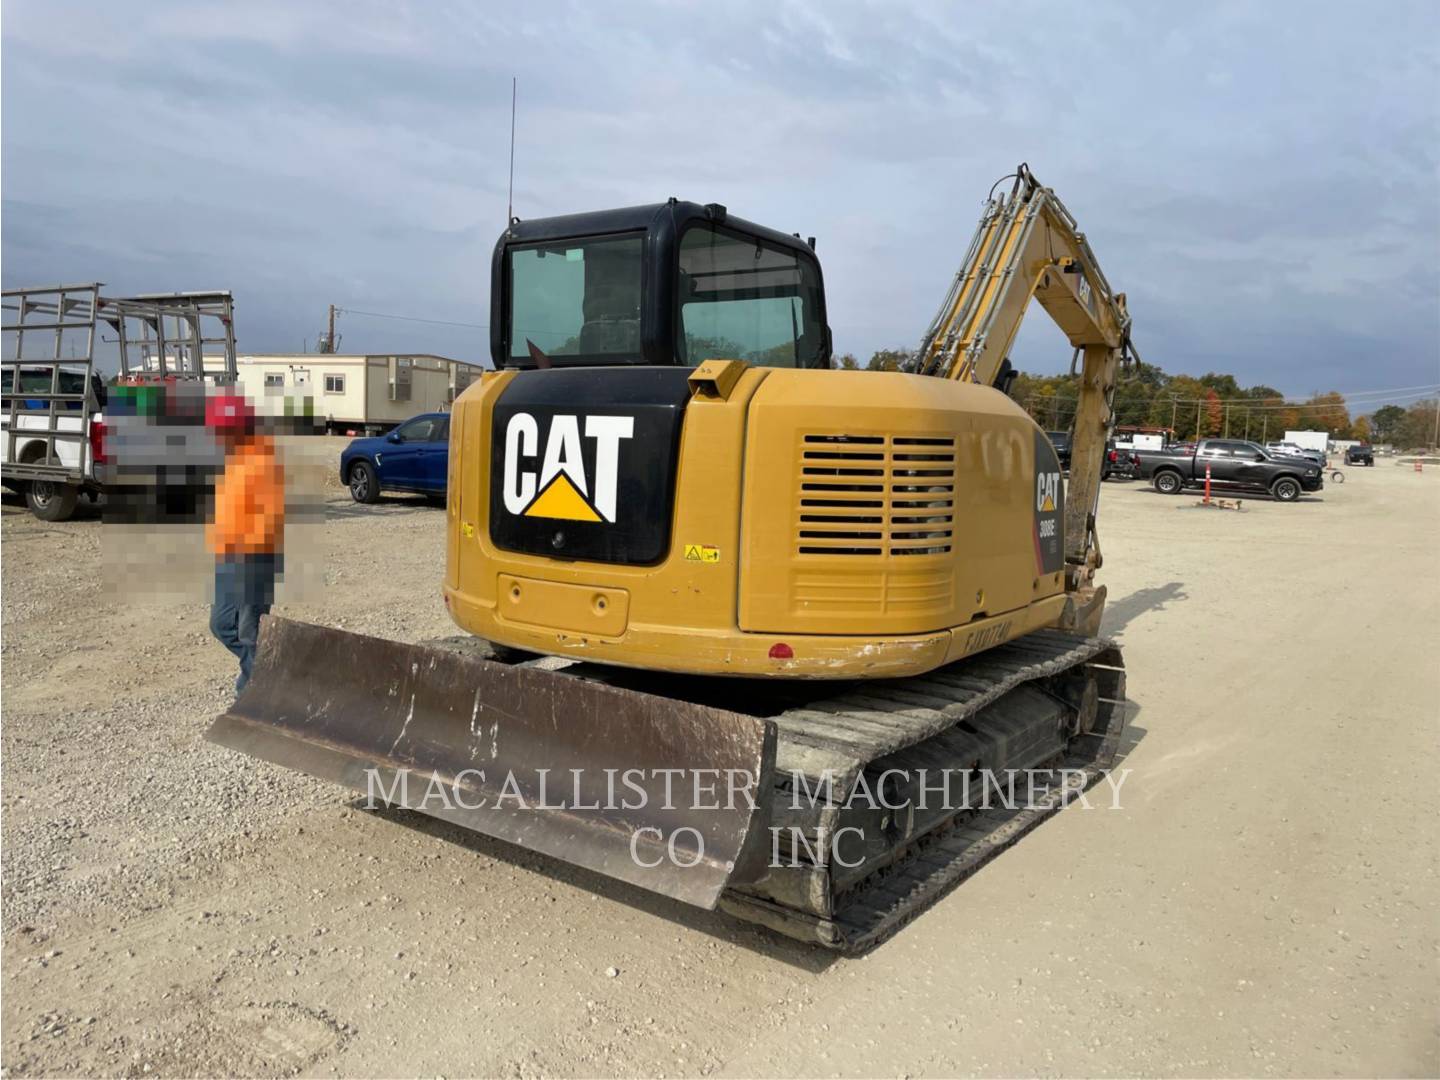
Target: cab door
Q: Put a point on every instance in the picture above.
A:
(401, 460)
(1251, 466)
(1216, 456)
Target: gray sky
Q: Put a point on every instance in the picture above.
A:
(1261, 178)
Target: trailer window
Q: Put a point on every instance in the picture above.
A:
(578, 299)
(746, 299)
(334, 384)
(276, 378)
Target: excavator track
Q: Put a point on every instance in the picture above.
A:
(1020, 706)
(986, 714)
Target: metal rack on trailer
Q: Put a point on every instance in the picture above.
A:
(51, 403)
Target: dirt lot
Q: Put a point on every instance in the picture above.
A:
(1264, 903)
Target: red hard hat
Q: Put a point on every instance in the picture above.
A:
(228, 412)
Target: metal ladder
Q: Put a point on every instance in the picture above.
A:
(58, 316)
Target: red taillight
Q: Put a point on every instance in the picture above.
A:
(1114, 456)
(97, 443)
(781, 651)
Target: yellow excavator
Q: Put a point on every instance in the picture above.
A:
(744, 625)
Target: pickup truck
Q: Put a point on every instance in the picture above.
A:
(1290, 449)
(1235, 465)
(52, 472)
(1061, 441)
(1360, 455)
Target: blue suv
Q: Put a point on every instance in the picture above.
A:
(412, 457)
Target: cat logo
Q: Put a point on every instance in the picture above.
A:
(1047, 492)
(561, 489)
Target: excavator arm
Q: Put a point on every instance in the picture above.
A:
(1027, 246)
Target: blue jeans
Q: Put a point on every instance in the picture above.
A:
(244, 590)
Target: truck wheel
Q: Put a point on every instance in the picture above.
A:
(50, 501)
(1168, 483)
(364, 485)
(1286, 489)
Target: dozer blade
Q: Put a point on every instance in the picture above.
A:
(658, 793)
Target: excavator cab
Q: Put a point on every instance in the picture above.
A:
(671, 284)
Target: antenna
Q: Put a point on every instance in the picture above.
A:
(510, 204)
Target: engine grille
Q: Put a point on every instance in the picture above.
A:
(875, 495)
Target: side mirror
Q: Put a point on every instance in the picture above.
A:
(395, 437)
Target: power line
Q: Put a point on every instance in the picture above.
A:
(412, 318)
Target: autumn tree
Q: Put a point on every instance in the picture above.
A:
(1214, 413)
(1418, 428)
(1326, 412)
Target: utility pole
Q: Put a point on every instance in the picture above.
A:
(1227, 421)
(1247, 425)
(1198, 432)
(1265, 427)
(1174, 405)
(1435, 438)
(330, 337)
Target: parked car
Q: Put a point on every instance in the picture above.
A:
(1290, 449)
(1061, 441)
(1360, 455)
(412, 457)
(1235, 465)
(1120, 461)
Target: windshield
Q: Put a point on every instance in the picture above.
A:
(579, 299)
(744, 299)
(36, 381)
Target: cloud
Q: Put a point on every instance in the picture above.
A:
(1261, 179)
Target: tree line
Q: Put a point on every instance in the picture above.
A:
(1211, 405)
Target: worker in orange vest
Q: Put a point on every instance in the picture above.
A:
(246, 534)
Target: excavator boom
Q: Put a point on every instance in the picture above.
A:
(1027, 247)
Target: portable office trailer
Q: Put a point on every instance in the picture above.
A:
(360, 394)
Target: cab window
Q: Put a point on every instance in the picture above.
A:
(578, 299)
(419, 430)
(743, 298)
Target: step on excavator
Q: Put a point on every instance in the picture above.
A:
(740, 627)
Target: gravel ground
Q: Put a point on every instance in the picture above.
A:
(1264, 903)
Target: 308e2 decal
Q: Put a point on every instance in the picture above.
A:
(1049, 507)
